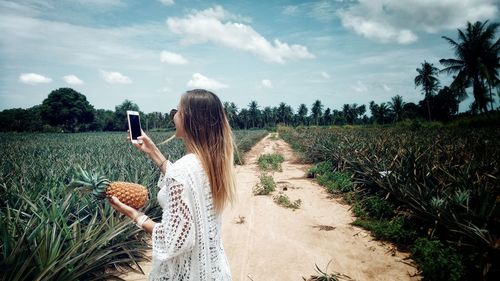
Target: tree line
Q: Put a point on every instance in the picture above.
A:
(475, 68)
(66, 110)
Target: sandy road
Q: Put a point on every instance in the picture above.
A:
(275, 243)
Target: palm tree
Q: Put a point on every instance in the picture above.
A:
(351, 112)
(360, 110)
(338, 117)
(427, 79)
(288, 114)
(445, 103)
(379, 112)
(327, 117)
(254, 112)
(268, 116)
(302, 113)
(281, 112)
(244, 118)
(346, 111)
(476, 63)
(316, 110)
(396, 105)
(231, 113)
(275, 113)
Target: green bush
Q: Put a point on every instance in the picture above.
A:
(349, 197)
(395, 229)
(376, 207)
(334, 181)
(271, 162)
(266, 185)
(321, 168)
(437, 261)
(283, 200)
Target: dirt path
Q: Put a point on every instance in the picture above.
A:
(275, 243)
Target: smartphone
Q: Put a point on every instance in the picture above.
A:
(134, 125)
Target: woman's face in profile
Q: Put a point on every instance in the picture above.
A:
(179, 126)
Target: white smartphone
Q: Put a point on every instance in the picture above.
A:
(134, 125)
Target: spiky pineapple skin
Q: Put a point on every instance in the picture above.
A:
(131, 194)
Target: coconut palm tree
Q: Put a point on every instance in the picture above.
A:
(302, 113)
(231, 113)
(244, 119)
(476, 63)
(380, 113)
(316, 111)
(327, 117)
(426, 78)
(396, 105)
(268, 116)
(352, 111)
(288, 114)
(254, 112)
(284, 113)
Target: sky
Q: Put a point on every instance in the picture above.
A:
(152, 51)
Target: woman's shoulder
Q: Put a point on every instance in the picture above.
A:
(187, 164)
(187, 160)
(187, 167)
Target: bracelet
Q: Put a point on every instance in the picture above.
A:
(166, 159)
(138, 215)
(141, 220)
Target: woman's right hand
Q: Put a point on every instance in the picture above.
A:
(145, 144)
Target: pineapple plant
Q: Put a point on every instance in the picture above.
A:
(131, 194)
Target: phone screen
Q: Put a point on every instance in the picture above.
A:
(135, 126)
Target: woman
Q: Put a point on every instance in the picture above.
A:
(193, 192)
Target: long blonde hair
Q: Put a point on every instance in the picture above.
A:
(209, 136)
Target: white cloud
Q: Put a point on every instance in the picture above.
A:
(378, 31)
(267, 83)
(91, 47)
(386, 88)
(290, 10)
(399, 20)
(114, 77)
(33, 78)
(72, 80)
(200, 81)
(167, 2)
(212, 25)
(324, 10)
(325, 75)
(172, 58)
(360, 87)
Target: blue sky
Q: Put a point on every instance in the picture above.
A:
(150, 52)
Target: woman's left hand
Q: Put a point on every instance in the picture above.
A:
(123, 208)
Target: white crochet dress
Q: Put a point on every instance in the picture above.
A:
(187, 243)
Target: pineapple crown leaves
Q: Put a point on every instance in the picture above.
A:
(91, 182)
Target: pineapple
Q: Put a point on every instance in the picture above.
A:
(132, 194)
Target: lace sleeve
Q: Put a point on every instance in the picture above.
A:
(163, 177)
(175, 234)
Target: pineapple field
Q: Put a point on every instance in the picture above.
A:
(434, 191)
(50, 230)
